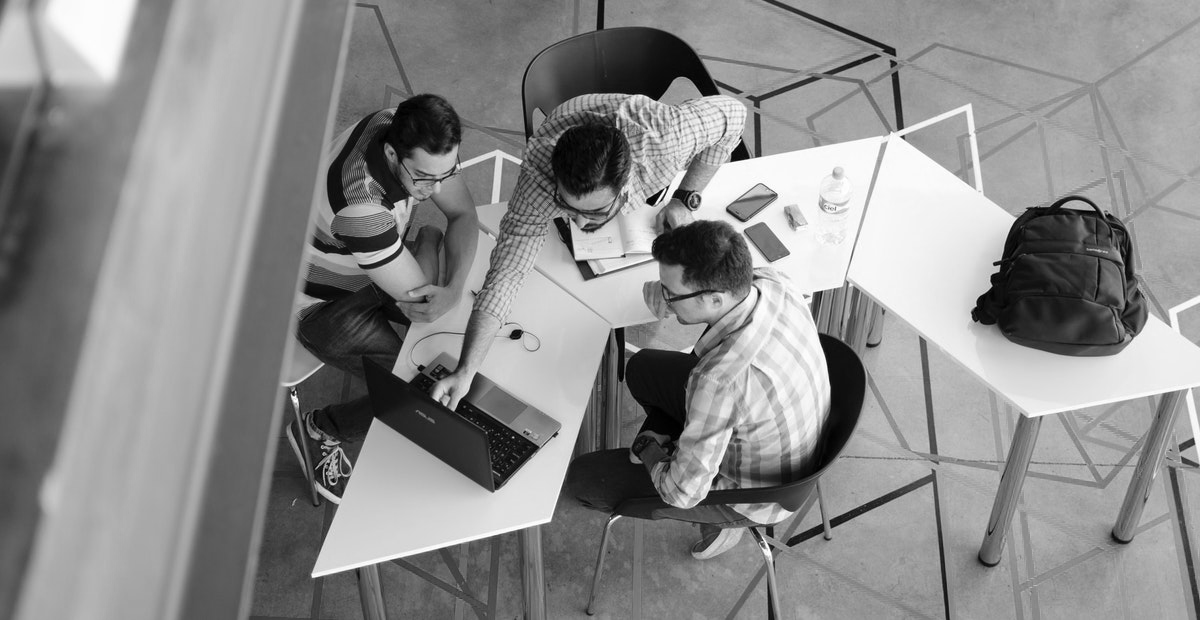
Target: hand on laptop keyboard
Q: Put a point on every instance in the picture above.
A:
(451, 389)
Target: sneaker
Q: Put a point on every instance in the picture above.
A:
(714, 541)
(332, 467)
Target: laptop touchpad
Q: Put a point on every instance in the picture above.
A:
(500, 404)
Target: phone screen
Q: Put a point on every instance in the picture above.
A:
(765, 240)
(749, 204)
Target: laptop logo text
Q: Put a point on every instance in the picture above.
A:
(427, 418)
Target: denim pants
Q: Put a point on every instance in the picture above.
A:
(602, 480)
(341, 332)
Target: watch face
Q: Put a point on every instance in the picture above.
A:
(689, 199)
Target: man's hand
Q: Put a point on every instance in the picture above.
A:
(438, 301)
(673, 215)
(654, 451)
(658, 438)
(450, 390)
(652, 295)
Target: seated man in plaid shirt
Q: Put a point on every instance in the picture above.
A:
(744, 410)
(594, 156)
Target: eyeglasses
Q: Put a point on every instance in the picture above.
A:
(427, 182)
(599, 217)
(670, 299)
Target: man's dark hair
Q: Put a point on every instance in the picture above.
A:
(589, 157)
(713, 256)
(427, 122)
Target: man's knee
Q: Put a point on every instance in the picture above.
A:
(637, 370)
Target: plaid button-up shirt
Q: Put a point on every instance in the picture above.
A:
(663, 140)
(755, 402)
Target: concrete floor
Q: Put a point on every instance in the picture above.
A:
(1096, 97)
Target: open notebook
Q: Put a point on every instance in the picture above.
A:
(623, 242)
(625, 235)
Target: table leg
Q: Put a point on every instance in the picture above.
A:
(370, 593)
(612, 392)
(847, 314)
(602, 421)
(532, 577)
(857, 322)
(827, 310)
(1010, 489)
(1147, 467)
(875, 331)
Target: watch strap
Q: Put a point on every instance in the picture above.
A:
(640, 444)
(690, 198)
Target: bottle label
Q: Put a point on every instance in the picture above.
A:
(833, 207)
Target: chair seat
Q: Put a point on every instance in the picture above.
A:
(301, 366)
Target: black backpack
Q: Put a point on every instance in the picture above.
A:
(1066, 283)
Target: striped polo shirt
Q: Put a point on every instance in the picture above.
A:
(362, 222)
(755, 401)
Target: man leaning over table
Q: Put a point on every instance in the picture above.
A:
(594, 156)
(744, 410)
(359, 274)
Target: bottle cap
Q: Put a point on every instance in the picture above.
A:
(838, 172)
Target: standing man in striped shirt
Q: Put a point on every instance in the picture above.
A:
(594, 156)
(359, 273)
(744, 410)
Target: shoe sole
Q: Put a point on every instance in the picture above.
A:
(299, 452)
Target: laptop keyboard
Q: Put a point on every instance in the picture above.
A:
(506, 447)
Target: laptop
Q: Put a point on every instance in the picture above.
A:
(488, 438)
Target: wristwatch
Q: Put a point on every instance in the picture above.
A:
(689, 198)
(640, 444)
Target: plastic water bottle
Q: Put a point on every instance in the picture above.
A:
(834, 201)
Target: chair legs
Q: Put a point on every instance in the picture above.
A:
(763, 547)
(824, 519)
(308, 462)
(769, 560)
(600, 563)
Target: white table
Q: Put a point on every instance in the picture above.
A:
(402, 501)
(795, 176)
(925, 253)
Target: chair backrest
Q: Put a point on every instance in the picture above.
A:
(848, 388)
(848, 385)
(634, 60)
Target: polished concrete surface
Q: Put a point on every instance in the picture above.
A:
(1094, 97)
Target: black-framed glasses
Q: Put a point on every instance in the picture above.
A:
(427, 182)
(598, 217)
(669, 298)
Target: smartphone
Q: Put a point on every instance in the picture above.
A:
(749, 204)
(765, 240)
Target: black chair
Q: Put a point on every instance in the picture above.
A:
(635, 60)
(848, 386)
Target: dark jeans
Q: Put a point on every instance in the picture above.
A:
(340, 333)
(602, 480)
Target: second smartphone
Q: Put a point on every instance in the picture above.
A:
(749, 204)
(765, 240)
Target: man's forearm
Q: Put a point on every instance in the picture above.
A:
(477, 341)
(698, 175)
(462, 239)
